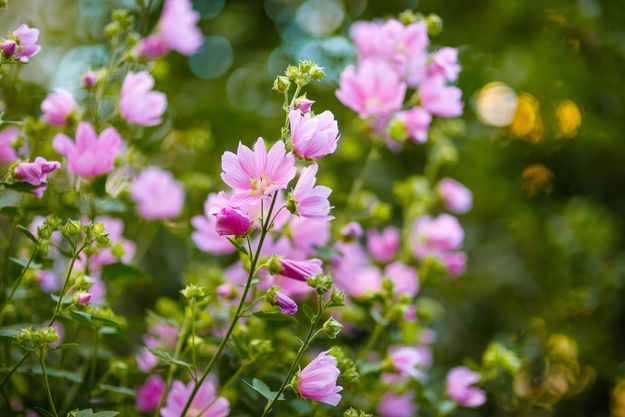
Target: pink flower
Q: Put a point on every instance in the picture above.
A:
(440, 99)
(406, 359)
(205, 403)
(456, 197)
(83, 298)
(138, 104)
(445, 62)
(313, 137)
(372, 90)
(405, 278)
(308, 233)
(310, 200)
(362, 282)
(57, 107)
(392, 405)
(7, 137)
(146, 360)
(177, 30)
(383, 246)
(230, 221)
(9, 47)
(455, 263)
(115, 228)
(90, 155)
(300, 270)
(157, 194)
(164, 335)
(352, 230)
(205, 236)
(317, 381)
(27, 42)
(149, 394)
(89, 79)
(417, 123)
(257, 174)
(459, 381)
(35, 173)
(286, 304)
(433, 236)
(303, 104)
(48, 281)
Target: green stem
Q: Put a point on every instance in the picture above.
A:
(59, 303)
(8, 248)
(18, 281)
(193, 350)
(309, 337)
(47, 385)
(358, 184)
(15, 367)
(373, 337)
(237, 314)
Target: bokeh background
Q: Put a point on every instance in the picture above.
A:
(542, 147)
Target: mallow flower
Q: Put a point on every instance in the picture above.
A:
(35, 173)
(205, 403)
(456, 197)
(383, 246)
(406, 361)
(435, 236)
(459, 387)
(27, 46)
(309, 200)
(138, 104)
(257, 174)
(283, 301)
(300, 270)
(416, 122)
(177, 29)
(373, 89)
(440, 99)
(395, 405)
(405, 278)
(149, 394)
(444, 62)
(7, 138)
(230, 221)
(317, 381)
(90, 155)
(313, 137)
(57, 107)
(205, 235)
(157, 194)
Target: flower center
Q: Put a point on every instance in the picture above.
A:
(261, 185)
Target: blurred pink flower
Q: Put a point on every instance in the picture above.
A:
(444, 62)
(407, 361)
(404, 277)
(7, 138)
(257, 174)
(456, 197)
(394, 405)
(372, 89)
(57, 107)
(90, 155)
(230, 221)
(300, 270)
(35, 173)
(417, 123)
(456, 263)
(317, 381)
(145, 360)
(157, 194)
(138, 104)
(177, 30)
(89, 79)
(313, 137)
(383, 246)
(205, 402)
(205, 236)
(49, 281)
(435, 236)
(308, 233)
(27, 42)
(352, 230)
(310, 200)
(149, 394)
(440, 99)
(459, 381)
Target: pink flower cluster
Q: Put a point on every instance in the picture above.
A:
(393, 57)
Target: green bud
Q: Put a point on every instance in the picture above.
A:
(193, 291)
(435, 24)
(291, 205)
(397, 130)
(408, 16)
(381, 212)
(273, 265)
(112, 30)
(352, 412)
(317, 73)
(305, 65)
(117, 250)
(281, 84)
(119, 368)
(291, 72)
(497, 356)
(24, 336)
(321, 283)
(84, 282)
(270, 295)
(71, 228)
(337, 298)
(332, 328)
(49, 335)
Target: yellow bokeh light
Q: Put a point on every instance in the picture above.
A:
(496, 104)
(527, 121)
(568, 119)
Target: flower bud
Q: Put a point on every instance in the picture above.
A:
(281, 84)
(337, 298)
(193, 291)
(303, 104)
(321, 283)
(118, 250)
(317, 73)
(231, 221)
(332, 328)
(4, 4)
(408, 16)
(305, 65)
(397, 130)
(352, 412)
(435, 24)
(112, 29)
(71, 228)
(84, 282)
(291, 72)
(49, 335)
(82, 298)
(286, 304)
(498, 356)
(89, 79)
(9, 47)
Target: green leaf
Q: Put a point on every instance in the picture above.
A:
(237, 245)
(21, 186)
(110, 205)
(166, 357)
(308, 312)
(106, 414)
(118, 390)
(273, 316)
(262, 388)
(24, 262)
(58, 373)
(120, 270)
(65, 346)
(10, 211)
(26, 232)
(369, 368)
(81, 317)
(66, 300)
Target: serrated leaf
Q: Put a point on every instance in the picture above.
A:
(308, 312)
(24, 230)
(262, 388)
(273, 316)
(118, 390)
(166, 357)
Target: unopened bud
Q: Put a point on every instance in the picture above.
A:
(281, 84)
(332, 328)
(435, 24)
(9, 47)
(72, 227)
(317, 73)
(193, 291)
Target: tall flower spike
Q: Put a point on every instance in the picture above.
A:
(309, 200)
(254, 175)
